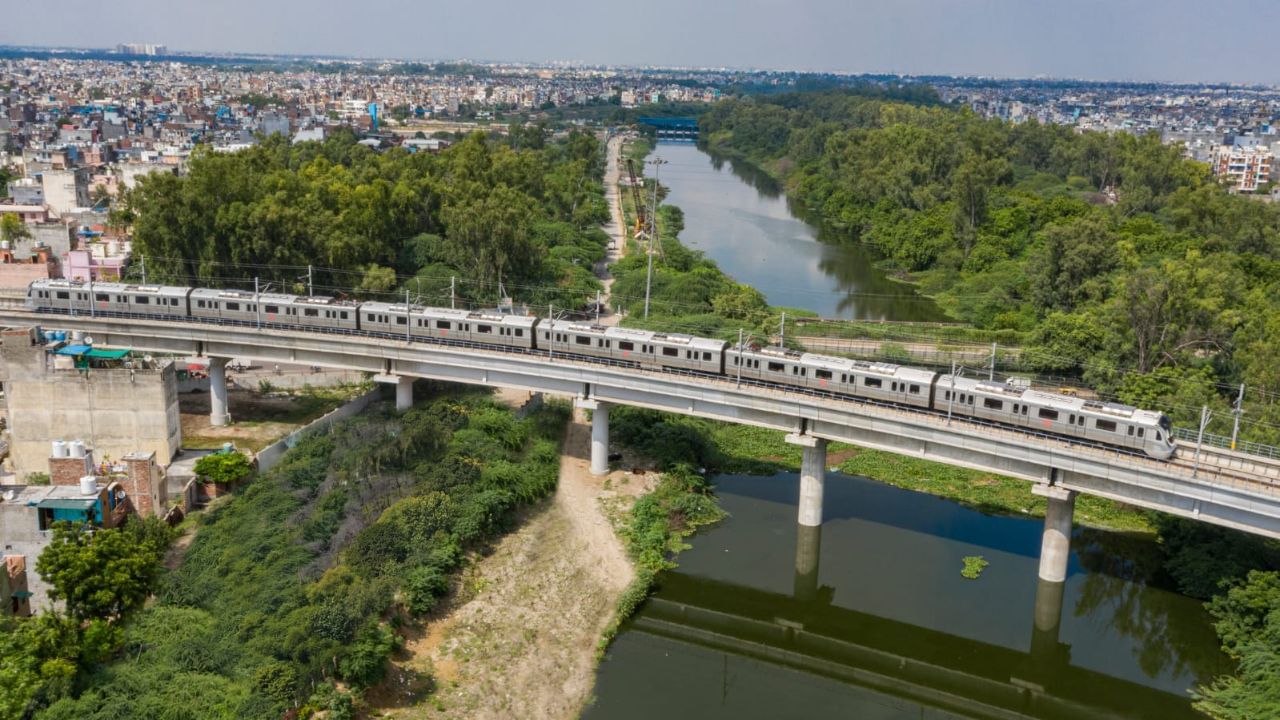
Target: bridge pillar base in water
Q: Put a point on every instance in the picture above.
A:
(813, 468)
(1055, 547)
(808, 551)
(218, 415)
(599, 434)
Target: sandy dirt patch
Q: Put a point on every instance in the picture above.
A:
(519, 637)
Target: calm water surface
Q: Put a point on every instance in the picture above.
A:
(888, 628)
(739, 217)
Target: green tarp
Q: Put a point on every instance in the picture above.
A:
(107, 354)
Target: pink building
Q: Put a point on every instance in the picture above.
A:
(94, 263)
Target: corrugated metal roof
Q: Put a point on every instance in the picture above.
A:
(66, 504)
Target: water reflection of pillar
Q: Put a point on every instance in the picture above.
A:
(1048, 622)
(808, 549)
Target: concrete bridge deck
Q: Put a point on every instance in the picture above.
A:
(1229, 489)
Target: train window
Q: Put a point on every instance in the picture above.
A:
(871, 382)
(400, 320)
(236, 306)
(946, 395)
(1130, 433)
(1048, 414)
(1024, 409)
(343, 315)
(795, 370)
(1159, 436)
(142, 300)
(519, 332)
(706, 356)
(894, 386)
(1071, 420)
(101, 297)
(992, 404)
(1015, 408)
(670, 352)
(489, 328)
(822, 374)
(582, 339)
(173, 301)
(1141, 432)
(308, 312)
(1105, 425)
(629, 346)
(914, 390)
(735, 361)
(844, 378)
(443, 325)
(62, 295)
(776, 367)
(272, 309)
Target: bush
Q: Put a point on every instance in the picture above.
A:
(227, 468)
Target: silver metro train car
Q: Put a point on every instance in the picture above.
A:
(1006, 403)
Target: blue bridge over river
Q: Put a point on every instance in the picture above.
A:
(672, 128)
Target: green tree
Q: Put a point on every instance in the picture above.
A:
(12, 229)
(1248, 621)
(103, 574)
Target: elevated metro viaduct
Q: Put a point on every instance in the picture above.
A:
(1222, 487)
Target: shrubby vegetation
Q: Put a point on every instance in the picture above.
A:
(1112, 251)
(519, 210)
(290, 595)
(224, 467)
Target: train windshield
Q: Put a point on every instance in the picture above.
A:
(1165, 424)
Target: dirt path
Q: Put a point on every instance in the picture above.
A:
(519, 639)
(615, 229)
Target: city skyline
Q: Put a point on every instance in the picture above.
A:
(1115, 41)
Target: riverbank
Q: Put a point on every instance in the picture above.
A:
(519, 636)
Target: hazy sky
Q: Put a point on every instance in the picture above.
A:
(1199, 40)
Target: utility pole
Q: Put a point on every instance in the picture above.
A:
(144, 269)
(782, 331)
(1238, 411)
(656, 162)
(257, 305)
(551, 332)
(453, 295)
(310, 286)
(1204, 420)
(92, 311)
(992, 376)
(740, 357)
(597, 307)
(408, 318)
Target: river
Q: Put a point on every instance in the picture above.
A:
(739, 217)
(885, 626)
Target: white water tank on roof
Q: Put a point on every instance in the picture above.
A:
(59, 449)
(77, 336)
(76, 449)
(88, 485)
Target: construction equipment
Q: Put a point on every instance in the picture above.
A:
(636, 198)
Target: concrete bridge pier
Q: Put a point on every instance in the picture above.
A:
(599, 433)
(218, 415)
(404, 389)
(808, 550)
(813, 468)
(1055, 547)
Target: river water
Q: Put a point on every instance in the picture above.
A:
(878, 621)
(739, 217)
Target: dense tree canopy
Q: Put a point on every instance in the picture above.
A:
(521, 210)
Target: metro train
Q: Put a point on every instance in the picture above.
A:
(1003, 403)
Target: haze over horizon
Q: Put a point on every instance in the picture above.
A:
(1092, 39)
